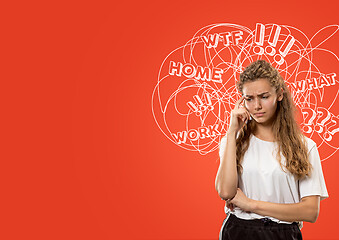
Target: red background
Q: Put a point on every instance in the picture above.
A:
(82, 155)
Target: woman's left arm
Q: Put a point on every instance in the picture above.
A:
(306, 210)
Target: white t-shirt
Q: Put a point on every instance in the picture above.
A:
(263, 179)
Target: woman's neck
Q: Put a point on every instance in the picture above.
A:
(264, 132)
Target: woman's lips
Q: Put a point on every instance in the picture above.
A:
(259, 114)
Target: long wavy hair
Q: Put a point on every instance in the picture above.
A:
(290, 140)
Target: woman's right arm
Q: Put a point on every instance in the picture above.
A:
(226, 181)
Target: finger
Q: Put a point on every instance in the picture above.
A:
(249, 116)
(244, 117)
(237, 104)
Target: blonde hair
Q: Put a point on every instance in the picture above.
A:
(290, 140)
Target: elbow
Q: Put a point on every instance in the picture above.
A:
(313, 216)
(225, 191)
(311, 208)
(313, 219)
(226, 195)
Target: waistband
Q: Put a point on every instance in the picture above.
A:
(259, 222)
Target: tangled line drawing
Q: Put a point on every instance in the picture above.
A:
(195, 91)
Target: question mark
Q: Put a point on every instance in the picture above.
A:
(319, 127)
(332, 128)
(308, 120)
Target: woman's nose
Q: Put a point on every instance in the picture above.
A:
(257, 104)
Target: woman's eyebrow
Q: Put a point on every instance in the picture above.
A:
(257, 95)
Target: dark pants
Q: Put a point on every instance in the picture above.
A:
(234, 228)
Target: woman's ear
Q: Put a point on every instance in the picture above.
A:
(281, 94)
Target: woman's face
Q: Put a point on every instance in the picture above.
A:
(261, 100)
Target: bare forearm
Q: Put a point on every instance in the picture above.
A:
(301, 211)
(227, 177)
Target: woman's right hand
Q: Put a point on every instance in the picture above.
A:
(229, 205)
(239, 116)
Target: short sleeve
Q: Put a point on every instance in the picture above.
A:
(315, 183)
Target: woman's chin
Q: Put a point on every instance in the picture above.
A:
(262, 121)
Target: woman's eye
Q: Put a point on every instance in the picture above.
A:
(248, 99)
(264, 97)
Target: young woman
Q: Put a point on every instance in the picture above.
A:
(270, 174)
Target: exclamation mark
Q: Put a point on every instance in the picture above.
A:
(194, 108)
(208, 99)
(273, 40)
(198, 100)
(208, 102)
(284, 49)
(202, 106)
(259, 39)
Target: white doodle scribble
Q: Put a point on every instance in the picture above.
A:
(195, 91)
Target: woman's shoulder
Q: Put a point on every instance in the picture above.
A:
(309, 143)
